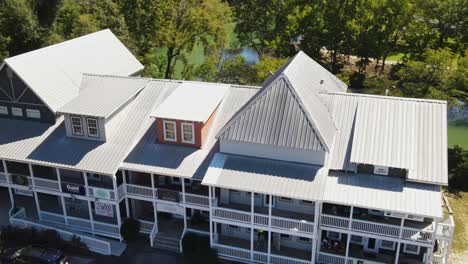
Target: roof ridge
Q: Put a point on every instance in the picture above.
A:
(424, 100)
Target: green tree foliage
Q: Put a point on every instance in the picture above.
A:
(188, 22)
(458, 168)
(432, 77)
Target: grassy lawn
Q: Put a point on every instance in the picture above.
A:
(458, 134)
(395, 57)
(459, 203)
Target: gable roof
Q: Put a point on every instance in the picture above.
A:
(101, 96)
(54, 72)
(288, 104)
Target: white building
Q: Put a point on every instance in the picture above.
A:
(296, 171)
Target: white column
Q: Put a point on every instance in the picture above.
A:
(10, 191)
(36, 200)
(64, 208)
(59, 179)
(85, 175)
(183, 202)
(117, 205)
(399, 240)
(211, 211)
(252, 203)
(269, 227)
(127, 205)
(91, 218)
(349, 233)
(316, 224)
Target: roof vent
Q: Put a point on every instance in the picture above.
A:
(321, 82)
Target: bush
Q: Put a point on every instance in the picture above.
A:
(458, 168)
(197, 250)
(130, 229)
(356, 80)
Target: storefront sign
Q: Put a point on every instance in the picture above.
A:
(102, 193)
(73, 188)
(104, 209)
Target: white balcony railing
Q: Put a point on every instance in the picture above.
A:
(334, 221)
(417, 234)
(232, 252)
(231, 214)
(292, 224)
(375, 228)
(331, 259)
(195, 199)
(146, 226)
(20, 180)
(46, 184)
(3, 177)
(139, 190)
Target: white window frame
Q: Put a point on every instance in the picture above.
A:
(33, 113)
(73, 125)
(385, 247)
(356, 241)
(175, 180)
(410, 251)
(3, 110)
(285, 199)
(192, 127)
(333, 232)
(303, 240)
(285, 236)
(15, 113)
(88, 126)
(164, 130)
(306, 202)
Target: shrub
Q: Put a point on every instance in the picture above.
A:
(130, 229)
(356, 80)
(197, 250)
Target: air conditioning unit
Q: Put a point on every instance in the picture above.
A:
(381, 170)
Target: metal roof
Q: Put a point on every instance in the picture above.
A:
(36, 143)
(280, 178)
(192, 101)
(173, 160)
(101, 96)
(402, 133)
(274, 117)
(54, 73)
(383, 193)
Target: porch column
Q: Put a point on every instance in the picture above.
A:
(183, 202)
(211, 211)
(64, 209)
(316, 223)
(399, 240)
(252, 203)
(127, 206)
(349, 233)
(36, 200)
(91, 218)
(269, 228)
(10, 191)
(117, 205)
(85, 175)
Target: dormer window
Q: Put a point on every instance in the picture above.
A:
(93, 130)
(170, 133)
(77, 127)
(187, 133)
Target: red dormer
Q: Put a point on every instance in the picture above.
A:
(185, 117)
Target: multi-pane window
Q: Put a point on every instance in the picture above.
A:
(33, 113)
(169, 131)
(16, 111)
(387, 244)
(187, 133)
(93, 130)
(77, 127)
(3, 110)
(411, 249)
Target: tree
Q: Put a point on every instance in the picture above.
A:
(19, 27)
(188, 22)
(263, 25)
(431, 77)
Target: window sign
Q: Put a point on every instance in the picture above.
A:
(104, 209)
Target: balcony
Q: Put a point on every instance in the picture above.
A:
(261, 219)
(423, 234)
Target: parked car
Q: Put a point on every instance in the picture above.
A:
(34, 254)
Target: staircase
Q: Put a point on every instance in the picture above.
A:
(165, 242)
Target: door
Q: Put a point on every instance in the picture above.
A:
(370, 246)
(266, 201)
